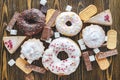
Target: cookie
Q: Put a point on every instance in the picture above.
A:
(21, 63)
(103, 63)
(112, 39)
(88, 12)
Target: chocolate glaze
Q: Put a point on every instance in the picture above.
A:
(31, 21)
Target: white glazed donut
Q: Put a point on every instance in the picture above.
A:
(93, 36)
(62, 67)
(75, 23)
(32, 49)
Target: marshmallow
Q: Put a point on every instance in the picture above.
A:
(80, 41)
(68, 8)
(106, 38)
(92, 58)
(13, 32)
(11, 62)
(43, 2)
(96, 50)
(82, 46)
(49, 40)
(57, 34)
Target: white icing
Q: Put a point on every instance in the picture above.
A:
(72, 30)
(93, 36)
(32, 49)
(57, 66)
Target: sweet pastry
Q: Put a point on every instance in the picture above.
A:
(31, 21)
(103, 63)
(66, 66)
(21, 63)
(32, 49)
(13, 42)
(87, 61)
(88, 12)
(68, 23)
(93, 36)
(47, 31)
(49, 14)
(112, 39)
(103, 18)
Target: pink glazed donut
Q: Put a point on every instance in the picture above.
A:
(62, 67)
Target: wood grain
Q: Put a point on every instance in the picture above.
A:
(7, 9)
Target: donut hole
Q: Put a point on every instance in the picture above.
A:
(68, 23)
(30, 21)
(62, 55)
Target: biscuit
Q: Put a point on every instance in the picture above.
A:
(112, 39)
(88, 12)
(103, 63)
(21, 63)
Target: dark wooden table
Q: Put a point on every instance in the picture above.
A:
(7, 9)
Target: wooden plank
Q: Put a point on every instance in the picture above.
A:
(8, 7)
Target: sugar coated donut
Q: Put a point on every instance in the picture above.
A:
(93, 36)
(31, 21)
(68, 23)
(62, 67)
(32, 49)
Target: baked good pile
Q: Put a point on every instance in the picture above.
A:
(57, 29)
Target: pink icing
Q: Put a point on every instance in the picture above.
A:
(9, 44)
(106, 18)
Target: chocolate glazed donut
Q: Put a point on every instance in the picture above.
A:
(31, 22)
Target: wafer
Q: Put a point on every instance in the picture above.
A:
(107, 54)
(112, 39)
(103, 63)
(88, 12)
(50, 12)
(87, 61)
(21, 63)
(36, 68)
(12, 21)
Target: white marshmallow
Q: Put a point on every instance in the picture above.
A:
(49, 40)
(96, 50)
(106, 38)
(43, 2)
(80, 41)
(68, 8)
(57, 34)
(11, 62)
(92, 58)
(13, 32)
(82, 46)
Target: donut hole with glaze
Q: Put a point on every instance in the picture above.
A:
(62, 55)
(30, 19)
(68, 23)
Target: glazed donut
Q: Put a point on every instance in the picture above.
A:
(62, 67)
(31, 21)
(32, 49)
(93, 36)
(68, 23)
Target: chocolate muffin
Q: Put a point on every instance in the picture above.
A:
(31, 21)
